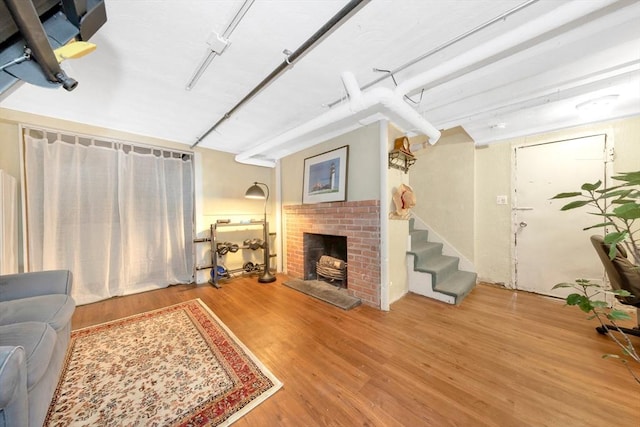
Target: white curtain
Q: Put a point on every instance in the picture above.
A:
(8, 224)
(119, 217)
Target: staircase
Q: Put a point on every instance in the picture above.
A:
(433, 274)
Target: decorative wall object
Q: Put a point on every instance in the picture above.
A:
(325, 177)
(403, 200)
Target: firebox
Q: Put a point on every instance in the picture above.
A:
(333, 249)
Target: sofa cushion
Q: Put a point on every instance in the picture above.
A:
(56, 310)
(38, 340)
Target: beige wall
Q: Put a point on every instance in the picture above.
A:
(443, 182)
(493, 171)
(224, 182)
(363, 182)
(493, 222)
(398, 231)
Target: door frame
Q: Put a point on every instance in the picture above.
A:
(608, 173)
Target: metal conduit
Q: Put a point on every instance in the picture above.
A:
(442, 47)
(338, 19)
(212, 54)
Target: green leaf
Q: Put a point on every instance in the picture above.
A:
(630, 177)
(563, 285)
(591, 285)
(615, 237)
(600, 304)
(591, 187)
(602, 224)
(610, 356)
(628, 211)
(605, 214)
(585, 305)
(611, 189)
(613, 251)
(567, 195)
(574, 204)
(618, 315)
(574, 299)
(619, 192)
(620, 292)
(622, 201)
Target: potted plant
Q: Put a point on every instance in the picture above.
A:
(618, 210)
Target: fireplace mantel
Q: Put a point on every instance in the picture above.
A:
(359, 222)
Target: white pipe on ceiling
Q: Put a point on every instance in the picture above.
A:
(361, 106)
(550, 21)
(389, 103)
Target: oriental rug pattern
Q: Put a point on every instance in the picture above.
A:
(176, 366)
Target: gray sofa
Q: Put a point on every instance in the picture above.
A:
(35, 327)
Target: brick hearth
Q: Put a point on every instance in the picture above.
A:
(359, 222)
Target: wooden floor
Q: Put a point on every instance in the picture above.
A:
(500, 359)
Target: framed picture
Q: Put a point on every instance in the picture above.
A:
(325, 177)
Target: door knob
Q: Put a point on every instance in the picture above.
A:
(523, 224)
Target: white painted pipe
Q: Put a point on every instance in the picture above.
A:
(563, 14)
(353, 89)
(376, 101)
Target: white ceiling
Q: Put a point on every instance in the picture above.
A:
(521, 75)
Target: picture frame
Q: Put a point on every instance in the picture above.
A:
(325, 177)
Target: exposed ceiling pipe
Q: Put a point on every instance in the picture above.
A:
(331, 25)
(499, 18)
(346, 117)
(562, 15)
(390, 105)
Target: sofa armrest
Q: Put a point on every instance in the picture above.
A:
(14, 408)
(24, 285)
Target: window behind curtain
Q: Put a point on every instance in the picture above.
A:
(118, 215)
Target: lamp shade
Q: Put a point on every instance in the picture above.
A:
(255, 192)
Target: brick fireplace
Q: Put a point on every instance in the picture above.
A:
(359, 222)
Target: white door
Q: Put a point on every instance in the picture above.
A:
(550, 245)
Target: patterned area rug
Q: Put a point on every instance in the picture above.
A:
(177, 366)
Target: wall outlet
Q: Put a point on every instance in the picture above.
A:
(501, 200)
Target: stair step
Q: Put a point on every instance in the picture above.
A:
(458, 285)
(448, 284)
(419, 235)
(425, 250)
(440, 266)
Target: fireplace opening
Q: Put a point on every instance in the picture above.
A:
(331, 252)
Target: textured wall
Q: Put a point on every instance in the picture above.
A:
(443, 182)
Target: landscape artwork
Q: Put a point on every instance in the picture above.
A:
(325, 177)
